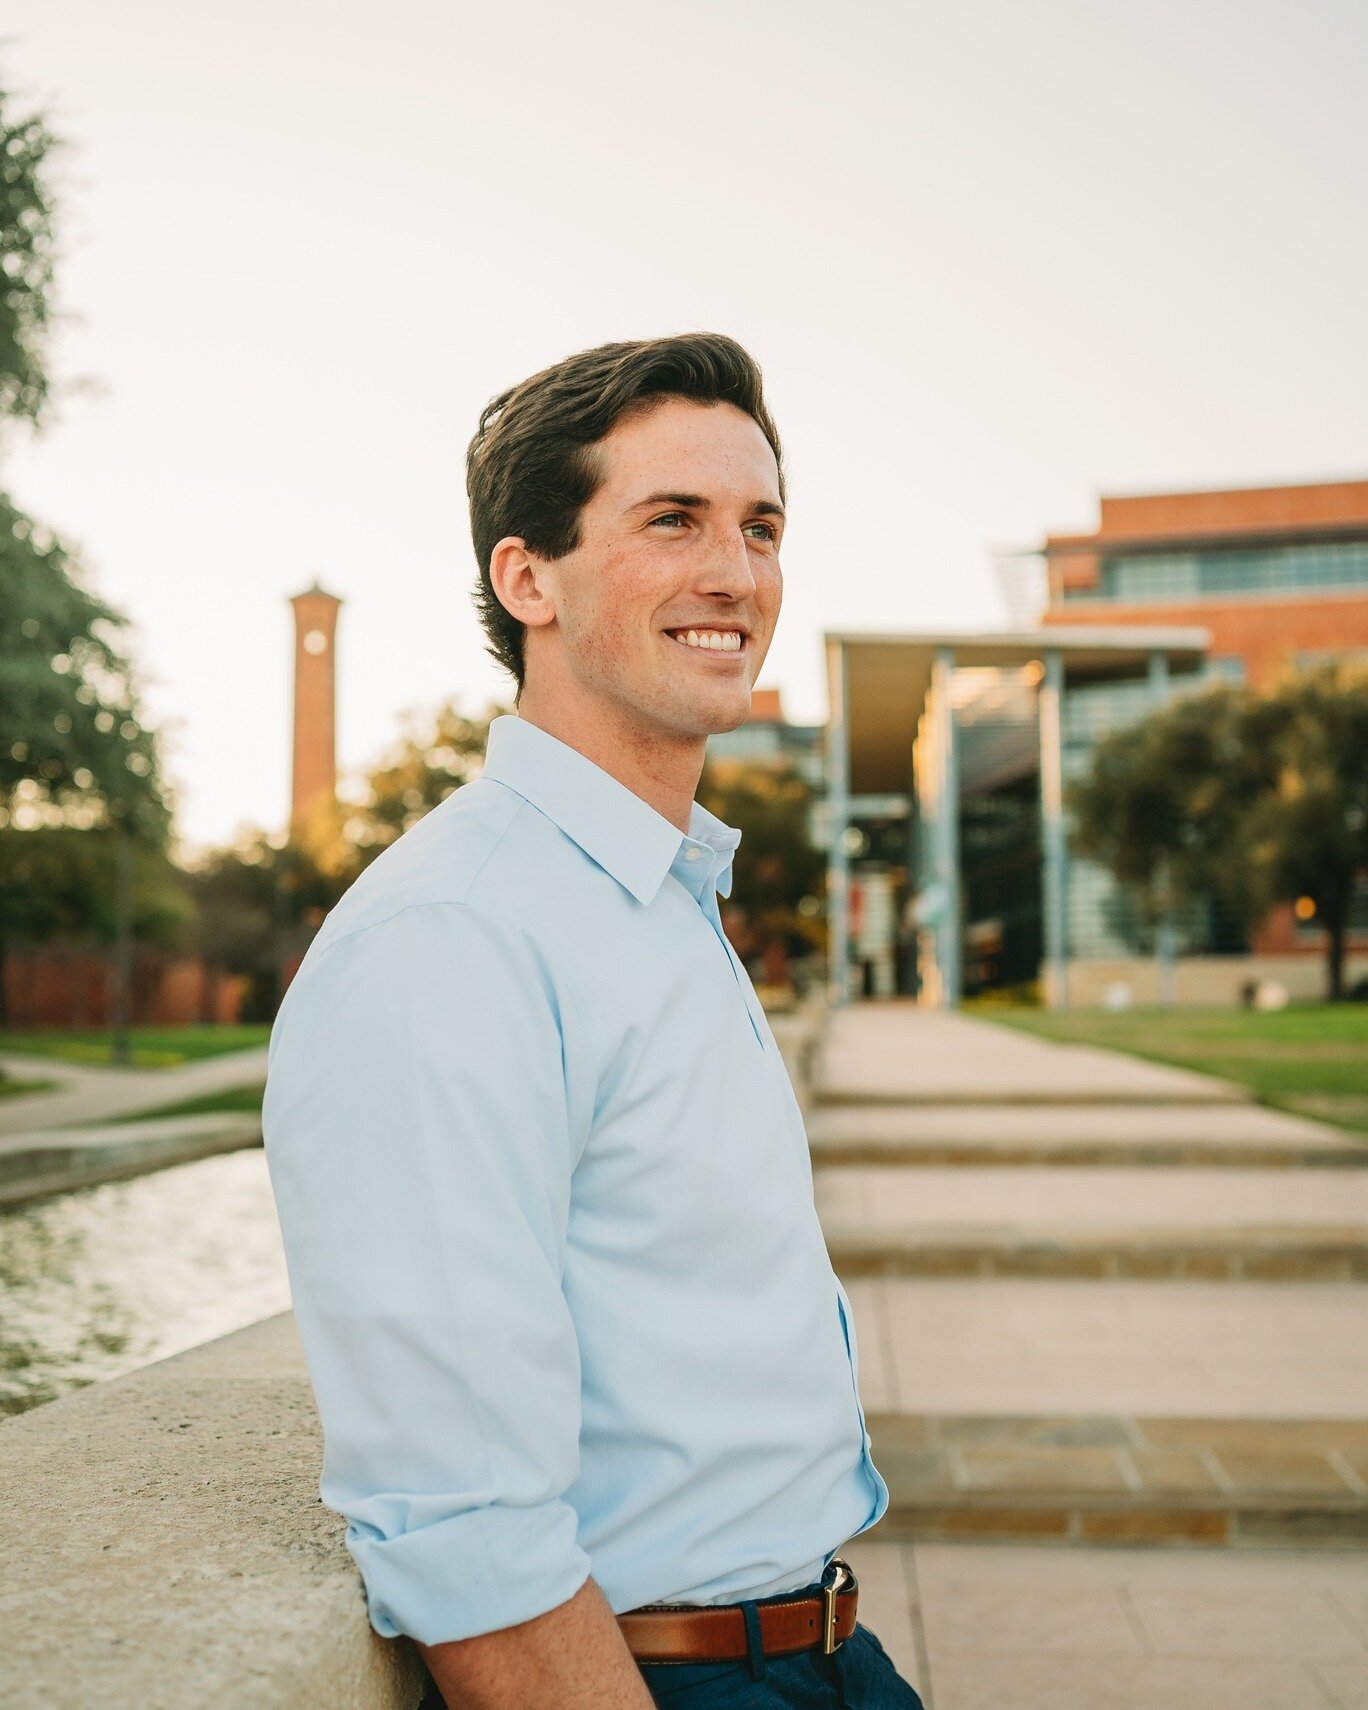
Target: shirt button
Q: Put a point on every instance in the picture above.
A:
(692, 854)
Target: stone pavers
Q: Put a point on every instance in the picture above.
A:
(984, 1135)
(873, 1053)
(1211, 1350)
(1021, 1221)
(1124, 1478)
(987, 1627)
(1090, 1320)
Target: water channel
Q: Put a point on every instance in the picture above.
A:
(101, 1281)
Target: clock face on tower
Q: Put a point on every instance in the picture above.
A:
(315, 641)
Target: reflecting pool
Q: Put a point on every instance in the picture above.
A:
(100, 1281)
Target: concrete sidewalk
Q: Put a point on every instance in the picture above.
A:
(874, 1053)
(1092, 1303)
(87, 1094)
(1027, 1627)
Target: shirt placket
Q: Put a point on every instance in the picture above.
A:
(701, 858)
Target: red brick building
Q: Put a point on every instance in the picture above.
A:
(1277, 575)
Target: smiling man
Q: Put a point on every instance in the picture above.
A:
(587, 1380)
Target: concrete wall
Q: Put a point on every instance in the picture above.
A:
(165, 1547)
(1212, 980)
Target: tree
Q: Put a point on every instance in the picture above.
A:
(26, 259)
(1251, 799)
(74, 751)
(1307, 835)
(435, 754)
(1164, 799)
(778, 871)
(256, 905)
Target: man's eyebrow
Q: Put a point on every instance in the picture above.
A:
(696, 502)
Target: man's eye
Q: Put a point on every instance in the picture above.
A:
(670, 516)
(771, 532)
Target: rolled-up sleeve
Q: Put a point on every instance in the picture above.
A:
(419, 1148)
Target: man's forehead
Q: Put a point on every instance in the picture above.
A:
(713, 445)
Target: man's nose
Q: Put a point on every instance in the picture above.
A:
(729, 563)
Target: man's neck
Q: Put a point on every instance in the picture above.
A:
(662, 773)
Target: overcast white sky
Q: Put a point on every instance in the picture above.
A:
(994, 258)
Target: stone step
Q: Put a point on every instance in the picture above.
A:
(1249, 1254)
(1240, 1224)
(1042, 1345)
(1153, 1136)
(1123, 1479)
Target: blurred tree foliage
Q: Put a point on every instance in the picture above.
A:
(26, 262)
(1252, 798)
(75, 756)
(435, 754)
(1307, 836)
(257, 904)
(779, 877)
(75, 750)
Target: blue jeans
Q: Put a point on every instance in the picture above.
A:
(858, 1675)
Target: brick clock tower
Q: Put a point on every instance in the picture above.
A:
(314, 774)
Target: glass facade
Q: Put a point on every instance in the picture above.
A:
(1170, 577)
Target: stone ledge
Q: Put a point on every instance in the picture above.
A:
(167, 1546)
(1193, 1096)
(1242, 1254)
(1123, 1479)
(1346, 1154)
(32, 1166)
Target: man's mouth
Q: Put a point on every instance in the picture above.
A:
(711, 640)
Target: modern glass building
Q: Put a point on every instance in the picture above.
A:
(971, 739)
(959, 741)
(1278, 576)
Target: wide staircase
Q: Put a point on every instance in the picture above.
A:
(1097, 1299)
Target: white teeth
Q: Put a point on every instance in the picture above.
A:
(716, 641)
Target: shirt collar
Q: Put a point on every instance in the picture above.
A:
(612, 824)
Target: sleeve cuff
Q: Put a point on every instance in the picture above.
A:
(472, 1573)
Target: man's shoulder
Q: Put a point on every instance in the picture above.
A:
(484, 850)
(438, 861)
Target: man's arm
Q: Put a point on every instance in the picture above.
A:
(418, 1137)
(572, 1658)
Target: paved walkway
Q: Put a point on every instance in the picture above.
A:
(1060, 1409)
(894, 1050)
(1029, 1627)
(88, 1094)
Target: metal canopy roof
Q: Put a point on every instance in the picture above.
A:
(888, 675)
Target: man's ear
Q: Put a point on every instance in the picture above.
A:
(524, 583)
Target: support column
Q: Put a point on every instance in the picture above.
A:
(1166, 938)
(1054, 853)
(945, 829)
(838, 801)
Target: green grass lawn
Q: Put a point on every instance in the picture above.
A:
(1309, 1058)
(11, 1086)
(234, 1099)
(153, 1047)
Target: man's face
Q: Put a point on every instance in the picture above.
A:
(682, 533)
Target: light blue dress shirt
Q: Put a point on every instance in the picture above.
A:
(546, 1200)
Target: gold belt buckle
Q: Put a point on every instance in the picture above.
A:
(830, 1642)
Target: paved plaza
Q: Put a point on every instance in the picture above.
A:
(1117, 1386)
(1029, 1627)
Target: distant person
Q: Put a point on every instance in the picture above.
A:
(576, 1341)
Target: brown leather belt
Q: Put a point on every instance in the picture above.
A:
(683, 1632)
